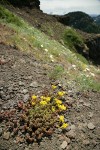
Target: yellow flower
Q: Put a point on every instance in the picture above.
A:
(61, 118)
(43, 103)
(34, 97)
(48, 99)
(61, 93)
(62, 107)
(54, 87)
(42, 97)
(64, 125)
(33, 103)
(53, 109)
(58, 101)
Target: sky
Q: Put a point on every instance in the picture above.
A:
(61, 7)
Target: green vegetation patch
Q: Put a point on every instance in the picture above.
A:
(72, 39)
(56, 73)
(87, 83)
(9, 17)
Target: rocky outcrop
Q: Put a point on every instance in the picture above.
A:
(25, 3)
(93, 45)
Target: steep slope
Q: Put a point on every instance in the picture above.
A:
(35, 39)
(50, 26)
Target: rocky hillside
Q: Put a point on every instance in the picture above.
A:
(80, 20)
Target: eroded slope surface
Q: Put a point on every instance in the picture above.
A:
(21, 74)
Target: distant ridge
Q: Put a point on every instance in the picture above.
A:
(80, 20)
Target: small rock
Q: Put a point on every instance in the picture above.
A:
(81, 101)
(67, 140)
(26, 97)
(24, 91)
(0, 131)
(90, 114)
(71, 134)
(64, 145)
(26, 148)
(86, 142)
(91, 126)
(72, 127)
(6, 135)
(28, 78)
(34, 84)
(21, 83)
(94, 142)
(87, 104)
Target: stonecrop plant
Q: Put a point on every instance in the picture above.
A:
(38, 117)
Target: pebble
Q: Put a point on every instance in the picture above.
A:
(91, 126)
(0, 131)
(73, 127)
(21, 83)
(64, 145)
(26, 148)
(86, 142)
(67, 140)
(26, 97)
(34, 84)
(90, 114)
(24, 91)
(6, 135)
(87, 104)
(71, 134)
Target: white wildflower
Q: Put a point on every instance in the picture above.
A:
(87, 69)
(42, 45)
(74, 66)
(46, 50)
(51, 56)
(92, 74)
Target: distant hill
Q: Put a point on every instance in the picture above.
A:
(80, 20)
(97, 19)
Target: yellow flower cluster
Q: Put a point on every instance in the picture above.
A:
(58, 102)
(61, 118)
(43, 103)
(47, 99)
(61, 93)
(52, 102)
(34, 97)
(44, 100)
(33, 101)
(62, 107)
(64, 125)
(54, 87)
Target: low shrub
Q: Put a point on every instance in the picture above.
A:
(37, 118)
